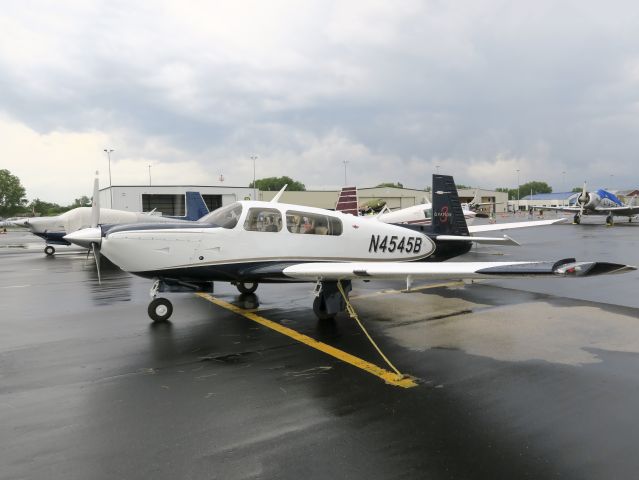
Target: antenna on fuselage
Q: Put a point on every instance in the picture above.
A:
(276, 198)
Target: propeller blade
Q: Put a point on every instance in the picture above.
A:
(581, 204)
(96, 255)
(95, 204)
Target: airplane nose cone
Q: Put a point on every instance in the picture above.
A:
(85, 237)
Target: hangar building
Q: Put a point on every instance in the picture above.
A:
(169, 199)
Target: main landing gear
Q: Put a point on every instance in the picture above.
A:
(328, 299)
(610, 221)
(49, 250)
(577, 219)
(246, 287)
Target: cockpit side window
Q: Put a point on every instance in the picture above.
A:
(313, 223)
(263, 220)
(225, 217)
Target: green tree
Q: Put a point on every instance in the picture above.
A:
(40, 207)
(578, 189)
(274, 184)
(463, 187)
(12, 194)
(525, 189)
(390, 184)
(83, 201)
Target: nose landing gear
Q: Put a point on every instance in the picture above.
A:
(160, 309)
(49, 250)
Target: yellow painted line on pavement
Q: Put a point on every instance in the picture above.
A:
(456, 283)
(389, 377)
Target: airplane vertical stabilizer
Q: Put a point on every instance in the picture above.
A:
(195, 206)
(448, 217)
(347, 201)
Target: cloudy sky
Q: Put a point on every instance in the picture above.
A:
(478, 88)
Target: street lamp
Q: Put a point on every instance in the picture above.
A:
(108, 152)
(149, 175)
(254, 157)
(345, 182)
(517, 189)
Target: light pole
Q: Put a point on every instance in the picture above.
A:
(254, 157)
(518, 190)
(563, 179)
(108, 152)
(149, 175)
(345, 182)
(436, 168)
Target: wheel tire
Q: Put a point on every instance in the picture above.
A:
(577, 219)
(242, 287)
(160, 309)
(49, 250)
(610, 221)
(320, 310)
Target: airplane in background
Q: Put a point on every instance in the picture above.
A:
(252, 242)
(53, 229)
(422, 214)
(475, 204)
(600, 202)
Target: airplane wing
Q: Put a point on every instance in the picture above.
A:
(620, 211)
(450, 270)
(509, 226)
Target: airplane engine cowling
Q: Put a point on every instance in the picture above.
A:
(589, 200)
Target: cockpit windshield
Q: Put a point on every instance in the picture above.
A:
(225, 217)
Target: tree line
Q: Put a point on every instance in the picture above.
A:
(13, 200)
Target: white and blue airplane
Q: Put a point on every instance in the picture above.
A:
(53, 229)
(252, 242)
(600, 202)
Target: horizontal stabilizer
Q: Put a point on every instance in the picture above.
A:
(493, 227)
(505, 240)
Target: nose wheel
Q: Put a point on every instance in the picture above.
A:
(49, 250)
(160, 309)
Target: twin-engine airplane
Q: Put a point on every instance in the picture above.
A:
(600, 202)
(252, 242)
(53, 229)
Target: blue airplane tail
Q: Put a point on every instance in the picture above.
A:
(195, 206)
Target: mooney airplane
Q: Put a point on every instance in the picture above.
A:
(600, 202)
(53, 229)
(251, 242)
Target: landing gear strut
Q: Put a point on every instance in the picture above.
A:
(328, 299)
(49, 250)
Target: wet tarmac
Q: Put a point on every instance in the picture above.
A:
(526, 379)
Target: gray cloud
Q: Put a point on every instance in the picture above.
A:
(480, 89)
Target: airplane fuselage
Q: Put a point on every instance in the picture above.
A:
(261, 236)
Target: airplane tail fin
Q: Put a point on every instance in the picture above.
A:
(195, 206)
(347, 201)
(448, 217)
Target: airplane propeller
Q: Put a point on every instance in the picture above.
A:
(95, 220)
(582, 200)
